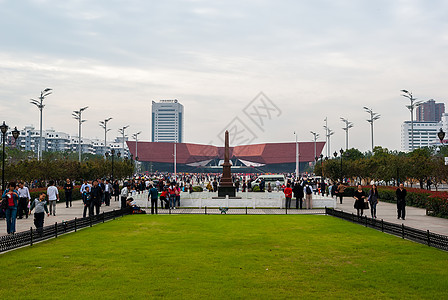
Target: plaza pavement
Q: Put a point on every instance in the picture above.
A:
(415, 217)
(62, 214)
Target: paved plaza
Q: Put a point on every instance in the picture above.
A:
(415, 217)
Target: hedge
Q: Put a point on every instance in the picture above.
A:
(436, 203)
(197, 188)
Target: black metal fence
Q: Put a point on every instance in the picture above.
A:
(405, 232)
(20, 239)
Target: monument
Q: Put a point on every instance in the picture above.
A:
(226, 187)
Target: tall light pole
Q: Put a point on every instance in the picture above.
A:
(297, 157)
(103, 124)
(315, 136)
(348, 125)
(411, 107)
(175, 161)
(40, 106)
(77, 115)
(15, 133)
(122, 132)
(135, 136)
(326, 135)
(373, 117)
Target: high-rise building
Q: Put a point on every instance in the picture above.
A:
(167, 121)
(430, 111)
(425, 134)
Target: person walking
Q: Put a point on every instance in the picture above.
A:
(360, 197)
(373, 200)
(53, 196)
(12, 198)
(153, 195)
(177, 195)
(116, 189)
(68, 188)
(40, 204)
(24, 199)
(87, 202)
(401, 201)
(298, 194)
(96, 196)
(340, 191)
(108, 188)
(308, 191)
(172, 193)
(124, 195)
(288, 195)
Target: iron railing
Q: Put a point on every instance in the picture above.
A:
(417, 235)
(29, 237)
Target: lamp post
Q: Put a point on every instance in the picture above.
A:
(411, 107)
(326, 135)
(342, 153)
(315, 136)
(103, 124)
(322, 164)
(297, 156)
(373, 117)
(441, 135)
(15, 133)
(348, 125)
(329, 134)
(40, 106)
(122, 132)
(135, 136)
(112, 154)
(77, 115)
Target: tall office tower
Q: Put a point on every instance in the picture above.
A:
(167, 121)
(430, 111)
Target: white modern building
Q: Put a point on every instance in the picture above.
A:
(167, 121)
(425, 133)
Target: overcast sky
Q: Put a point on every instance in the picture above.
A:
(312, 59)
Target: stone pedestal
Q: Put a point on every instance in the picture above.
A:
(223, 191)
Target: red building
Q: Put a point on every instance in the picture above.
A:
(268, 157)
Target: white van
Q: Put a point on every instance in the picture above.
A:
(269, 178)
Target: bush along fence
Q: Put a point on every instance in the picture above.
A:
(20, 239)
(420, 236)
(435, 203)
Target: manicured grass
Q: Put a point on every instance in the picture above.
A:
(225, 257)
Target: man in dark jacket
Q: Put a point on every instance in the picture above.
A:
(153, 195)
(298, 194)
(401, 201)
(96, 197)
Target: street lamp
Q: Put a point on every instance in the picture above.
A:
(77, 115)
(297, 156)
(15, 133)
(342, 153)
(373, 117)
(348, 125)
(315, 136)
(103, 124)
(122, 132)
(411, 107)
(40, 106)
(135, 136)
(112, 154)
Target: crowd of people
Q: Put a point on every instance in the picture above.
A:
(17, 203)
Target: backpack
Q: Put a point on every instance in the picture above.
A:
(308, 190)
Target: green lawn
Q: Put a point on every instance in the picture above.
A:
(225, 257)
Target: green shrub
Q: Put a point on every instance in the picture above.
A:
(198, 188)
(256, 189)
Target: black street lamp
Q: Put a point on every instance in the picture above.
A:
(441, 135)
(15, 133)
(342, 153)
(112, 155)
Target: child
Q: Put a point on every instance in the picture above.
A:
(41, 206)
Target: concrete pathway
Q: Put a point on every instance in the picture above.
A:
(415, 217)
(62, 214)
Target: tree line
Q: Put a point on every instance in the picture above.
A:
(22, 165)
(421, 166)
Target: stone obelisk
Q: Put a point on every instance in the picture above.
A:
(226, 187)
